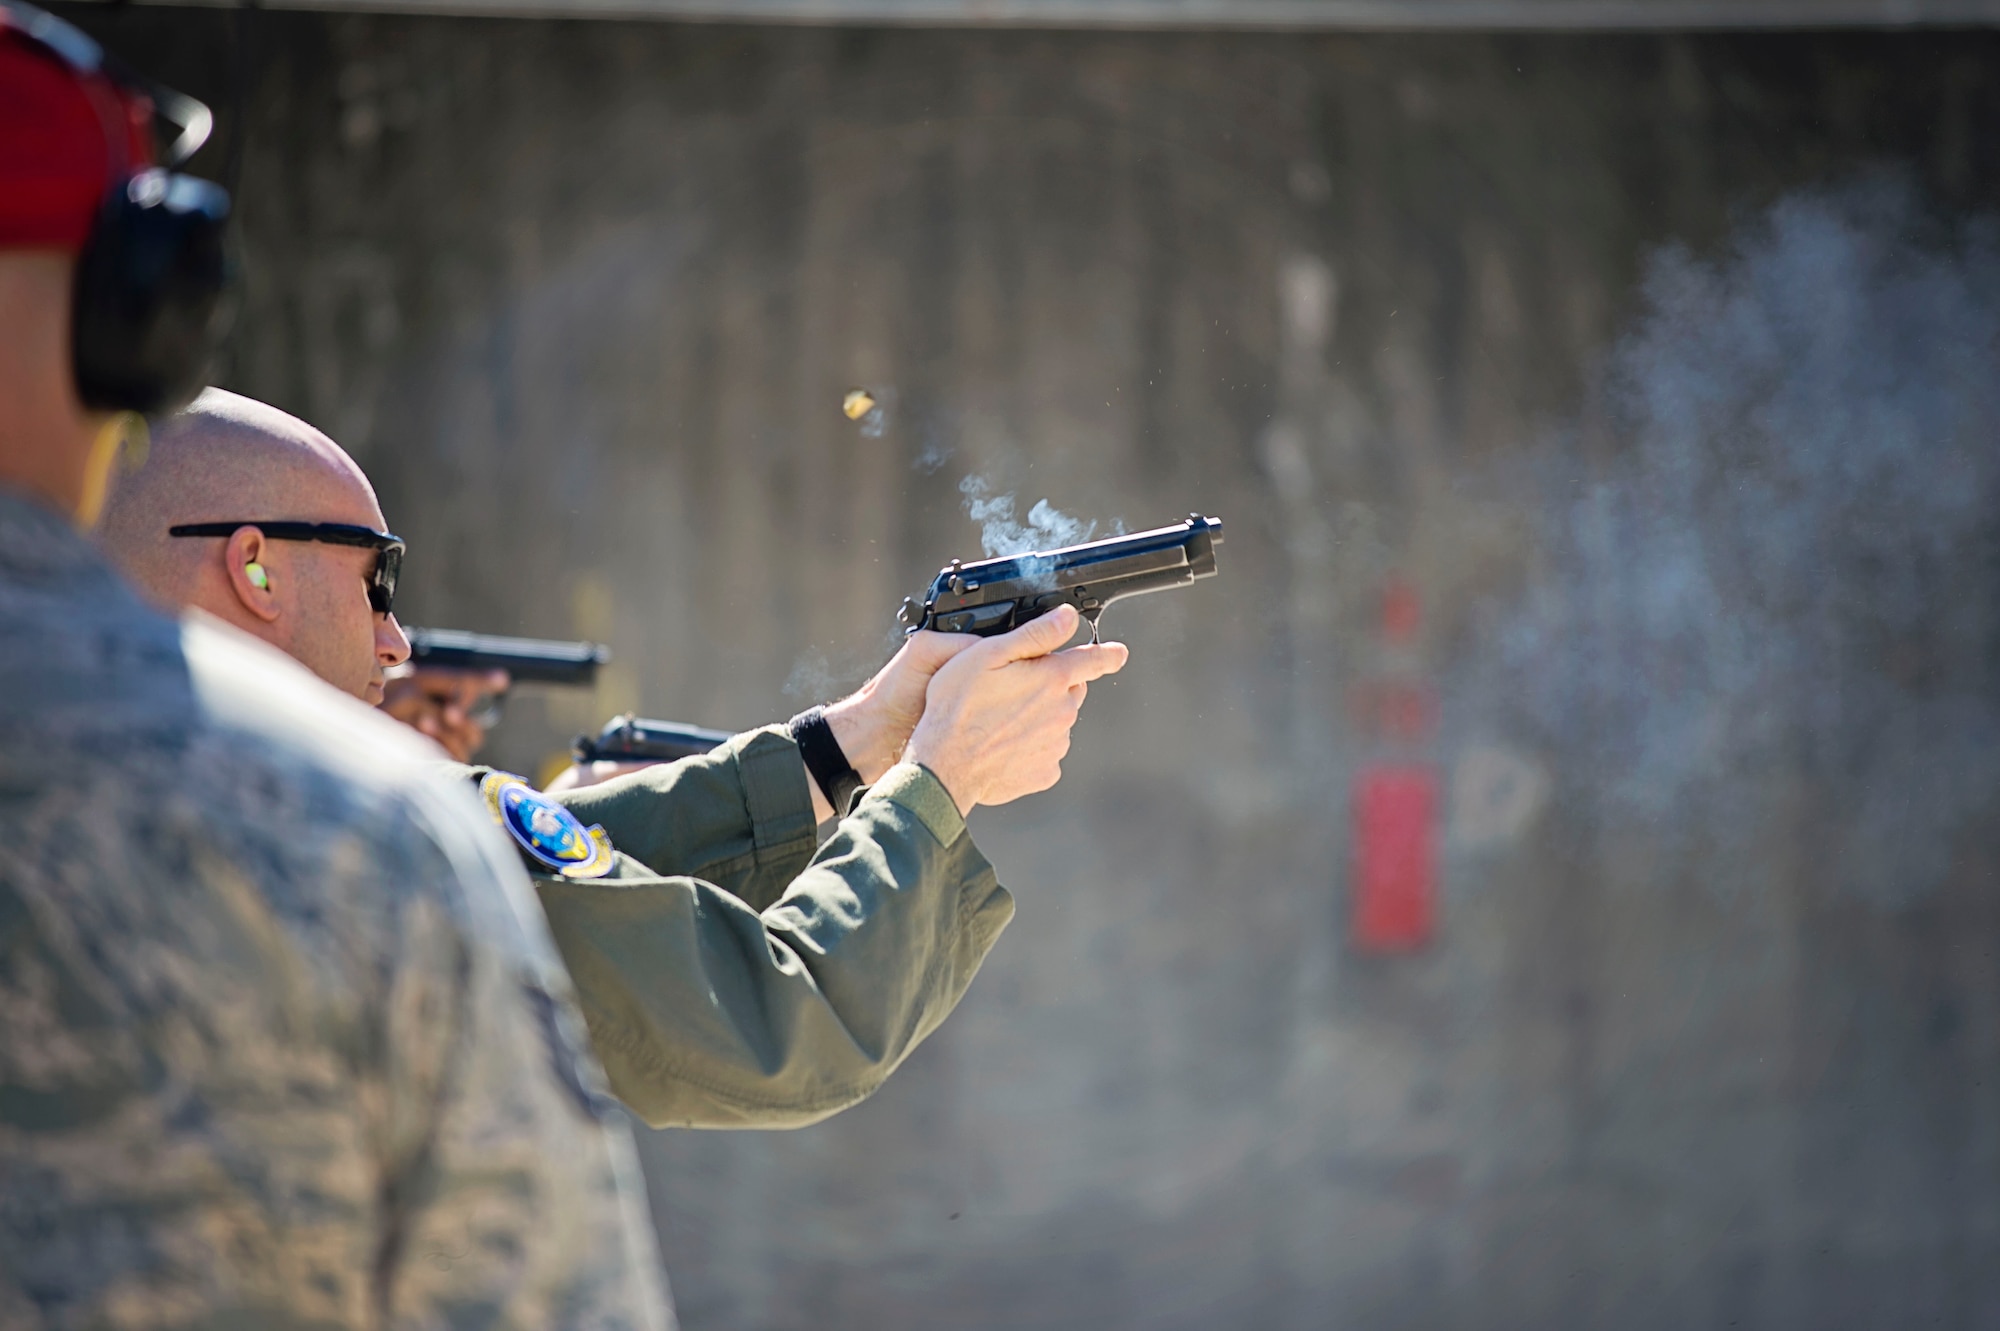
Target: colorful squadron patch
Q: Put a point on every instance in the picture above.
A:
(550, 834)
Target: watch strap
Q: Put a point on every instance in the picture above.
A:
(825, 759)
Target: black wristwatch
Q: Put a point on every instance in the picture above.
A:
(825, 759)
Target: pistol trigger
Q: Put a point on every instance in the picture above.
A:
(1091, 617)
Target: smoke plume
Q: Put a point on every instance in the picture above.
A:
(1046, 527)
(1786, 588)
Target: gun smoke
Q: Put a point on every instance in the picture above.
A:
(1046, 527)
(1786, 588)
(817, 676)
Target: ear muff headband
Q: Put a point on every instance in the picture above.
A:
(149, 309)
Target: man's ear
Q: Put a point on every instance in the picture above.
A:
(243, 558)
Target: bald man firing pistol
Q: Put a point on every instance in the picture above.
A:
(733, 969)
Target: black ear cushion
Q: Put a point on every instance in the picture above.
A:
(150, 286)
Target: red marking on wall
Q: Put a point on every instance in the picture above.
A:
(1402, 613)
(1395, 862)
(1394, 711)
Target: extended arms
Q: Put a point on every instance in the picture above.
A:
(756, 978)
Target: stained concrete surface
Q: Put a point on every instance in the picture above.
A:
(1707, 1034)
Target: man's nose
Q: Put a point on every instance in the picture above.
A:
(392, 645)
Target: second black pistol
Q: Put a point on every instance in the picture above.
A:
(639, 739)
(526, 660)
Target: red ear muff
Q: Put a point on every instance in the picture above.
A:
(150, 287)
(149, 309)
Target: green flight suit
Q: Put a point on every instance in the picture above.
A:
(736, 973)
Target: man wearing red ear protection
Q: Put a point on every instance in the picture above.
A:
(85, 129)
(150, 264)
(283, 1038)
(61, 137)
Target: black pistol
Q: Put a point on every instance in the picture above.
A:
(527, 660)
(994, 595)
(638, 739)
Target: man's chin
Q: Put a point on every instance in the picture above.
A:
(372, 695)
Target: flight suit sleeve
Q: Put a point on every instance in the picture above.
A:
(709, 1012)
(740, 817)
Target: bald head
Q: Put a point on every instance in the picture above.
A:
(225, 457)
(228, 458)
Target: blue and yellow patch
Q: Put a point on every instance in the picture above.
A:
(550, 835)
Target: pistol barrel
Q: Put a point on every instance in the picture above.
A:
(527, 660)
(640, 739)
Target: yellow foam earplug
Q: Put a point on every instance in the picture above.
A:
(258, 577)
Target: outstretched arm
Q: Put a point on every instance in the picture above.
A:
(989, 717)
(716, 999)
(709, 1013)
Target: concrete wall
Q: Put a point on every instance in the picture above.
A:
(1706, 567)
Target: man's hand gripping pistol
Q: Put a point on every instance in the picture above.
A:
(994, 595)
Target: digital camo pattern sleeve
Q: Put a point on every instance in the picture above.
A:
(278, 1047)
(709, 1011)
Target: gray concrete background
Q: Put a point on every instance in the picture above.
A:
(1706, 546)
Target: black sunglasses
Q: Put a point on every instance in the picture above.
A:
(381, 588)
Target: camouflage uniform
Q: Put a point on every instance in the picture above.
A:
(737, 973)
(282, 1039)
